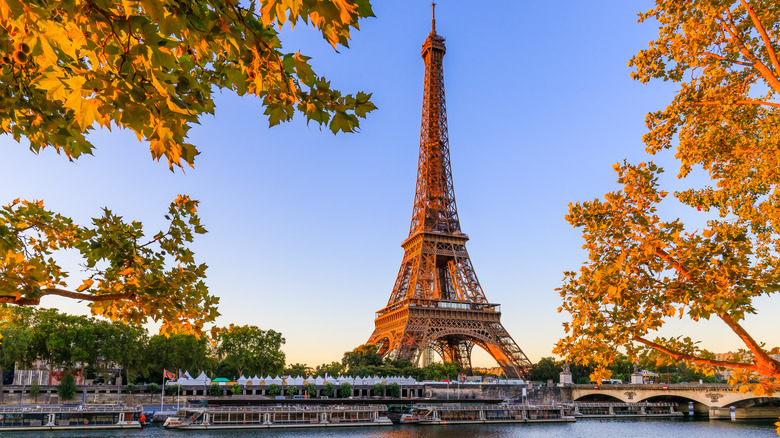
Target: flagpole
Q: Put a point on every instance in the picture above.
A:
(162, 394)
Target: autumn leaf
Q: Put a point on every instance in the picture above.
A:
(144, 64)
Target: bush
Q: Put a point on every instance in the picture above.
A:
(236, 389)
(67, 388)
(378, 389)
(215, 390)
(152, 388)
(291, 390)
(274, 389)
(131, 389)
(311, 389)
(173, 389)
(35, 389)
(393, 390)
(345, 390)
(328, 390)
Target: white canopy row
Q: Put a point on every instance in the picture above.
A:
(187, 380)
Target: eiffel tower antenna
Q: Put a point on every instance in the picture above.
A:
(433, 17)
(437, 302)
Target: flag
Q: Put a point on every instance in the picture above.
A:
(168, 375)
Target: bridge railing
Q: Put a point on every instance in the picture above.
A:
(657, 386)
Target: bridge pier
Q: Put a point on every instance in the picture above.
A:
(748, 413)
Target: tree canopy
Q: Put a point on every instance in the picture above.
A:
(128, 277)
(250, 350)
(151, 66)
(644, 269)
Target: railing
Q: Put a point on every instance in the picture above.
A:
(614, 405)
(440, 304)
(297, 408)
(68, 409)
(488, 407)
(656, 386)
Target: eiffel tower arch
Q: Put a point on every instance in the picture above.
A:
(437, 302)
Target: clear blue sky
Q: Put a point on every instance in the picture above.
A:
(305, 227)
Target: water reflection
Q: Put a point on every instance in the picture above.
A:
(589, 428)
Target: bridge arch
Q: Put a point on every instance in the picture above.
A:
(756, 402)
(711, 396)
(599, 398)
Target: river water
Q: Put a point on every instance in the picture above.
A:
(586, 428)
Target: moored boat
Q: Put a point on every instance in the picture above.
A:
(485, 413)
(59, 417)
(262, 417)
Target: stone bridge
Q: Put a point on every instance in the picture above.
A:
(708, 395)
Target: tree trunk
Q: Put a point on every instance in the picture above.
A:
(2, 390)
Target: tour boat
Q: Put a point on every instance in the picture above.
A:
(261, 417)
(64, 417)
(452, 413)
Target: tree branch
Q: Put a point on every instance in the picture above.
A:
(86, 297)
(729, 27)
(66, 294)
(682, 270)
(740, 102)
(723, 58)
(763, 361)
(760, 28)
(708, 362)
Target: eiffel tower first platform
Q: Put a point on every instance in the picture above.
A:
(437, 303)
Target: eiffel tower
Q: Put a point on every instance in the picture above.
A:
(437, 303)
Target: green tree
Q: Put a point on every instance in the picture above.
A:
(328, 390)
(67, 387)
(311, 389)
(361, 357)
(153, 389)
(236, 389)
(15, 345)
(215, 390)
(274, 389)
(644, 269)
(345, 390)
(61, 340)
(546, 369)
(173, 389)
(35, 390)
(176, 352)
(393, 390)
(622, 367)
(127, 277)
(439, 371)
(122, 344)
(298, 370)
(250, 349)
(332, 369)
(378, 389)
(152, 66)
(291, 390)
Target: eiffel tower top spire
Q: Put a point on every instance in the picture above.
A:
(433, 17)
(434, 199)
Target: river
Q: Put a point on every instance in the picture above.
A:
(587, 428)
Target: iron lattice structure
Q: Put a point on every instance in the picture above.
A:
(437, 302)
